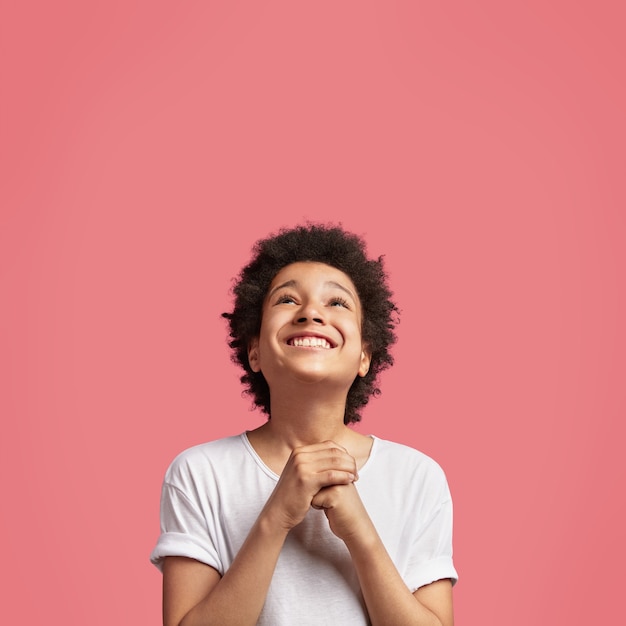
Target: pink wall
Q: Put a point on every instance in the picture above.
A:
(146, 145)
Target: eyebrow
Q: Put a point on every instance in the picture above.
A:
(328, 283)
(289, 283)
(332, 283)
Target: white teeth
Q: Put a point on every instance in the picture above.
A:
(310, 342)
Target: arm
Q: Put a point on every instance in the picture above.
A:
(195, 595)
(389, 601)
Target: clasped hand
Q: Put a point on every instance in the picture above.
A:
(322, 476)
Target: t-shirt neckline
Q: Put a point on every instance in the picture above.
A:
(274, 476)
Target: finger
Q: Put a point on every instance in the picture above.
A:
(322, 445)
(323, 456)
(327, 497)
(318, 502)
(327, 478)
(328, 461)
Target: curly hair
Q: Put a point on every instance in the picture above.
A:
(328, 244)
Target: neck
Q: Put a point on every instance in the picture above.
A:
(302, 422)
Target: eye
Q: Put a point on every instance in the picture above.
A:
(285, 299)
(339, 301)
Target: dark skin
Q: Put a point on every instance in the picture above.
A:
(310, 350)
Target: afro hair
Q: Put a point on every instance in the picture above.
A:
(332, 245)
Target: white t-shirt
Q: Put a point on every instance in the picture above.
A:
(213, 493)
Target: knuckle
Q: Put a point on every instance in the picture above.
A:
(335, 477)
(296, 454)
(337, 454)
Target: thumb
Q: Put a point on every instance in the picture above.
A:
(324, 499)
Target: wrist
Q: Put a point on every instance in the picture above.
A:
(362, 540)
(273, 525)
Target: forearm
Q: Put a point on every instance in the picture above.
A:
(389, 601)
(239, 596)
(201, 597)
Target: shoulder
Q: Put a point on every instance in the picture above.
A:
(199, 460)
(408, 464)
(386, 451)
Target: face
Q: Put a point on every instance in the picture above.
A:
(310, 328)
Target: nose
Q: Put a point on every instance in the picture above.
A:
(309, 311)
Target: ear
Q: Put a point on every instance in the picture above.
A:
(253, 355)
(366, 359)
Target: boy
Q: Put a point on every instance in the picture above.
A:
(303, 520)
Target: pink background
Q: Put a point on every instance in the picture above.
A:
(480, 146)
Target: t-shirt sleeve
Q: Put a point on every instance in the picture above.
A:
(431, 554)
(184, 530)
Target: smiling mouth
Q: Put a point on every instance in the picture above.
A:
(309, 342)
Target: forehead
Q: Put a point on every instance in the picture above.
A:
(313, 272)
